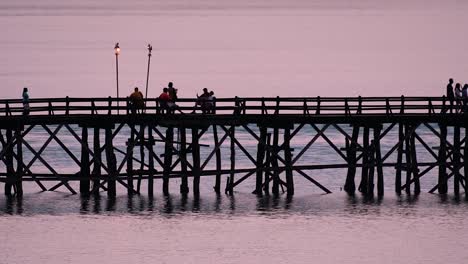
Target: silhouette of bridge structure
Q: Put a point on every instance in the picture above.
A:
(162, 145)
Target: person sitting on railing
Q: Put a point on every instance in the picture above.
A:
(166, 101)
(25, 101)
(136, 100)
(172, 92)
(450, 95)
(209, 103)
(201, 100)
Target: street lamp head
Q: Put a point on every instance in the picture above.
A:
(117, 49)
(150, 48)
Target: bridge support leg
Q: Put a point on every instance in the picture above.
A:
(266, 185)
(442, 159)
(111, 164)
(130, 145)
(456, 160)
(287, 159)
(9, 163)
(217, 187)
(196, 162)
(233, 160)
(20, 163)
(365, 163)
(414, 160)
(350, 186)
(378, 161)
(184, 189)
(465, 160)
(85, 166)
(149, 145)
(274, 162)
(260, 156)
(141, 140)
(409, 164)
(401, 138)
(167, 159)
(97, 161)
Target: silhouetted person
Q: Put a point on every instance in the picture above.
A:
(201, 99)
(172, 92)
(25, 101)
(465, 97)
(450, 94)
(136, 100)
(166, 102)
(458, 96)
(208, 105)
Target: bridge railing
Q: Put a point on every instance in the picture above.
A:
(240, 106)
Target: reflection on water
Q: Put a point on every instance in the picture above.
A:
(225, 205)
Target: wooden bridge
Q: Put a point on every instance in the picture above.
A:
(363, 122)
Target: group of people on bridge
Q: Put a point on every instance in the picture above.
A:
(458, 96)
(167, 99)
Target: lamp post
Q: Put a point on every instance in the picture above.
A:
(117, 53)
(150, 48)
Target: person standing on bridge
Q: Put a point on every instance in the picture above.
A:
(136, 100)
(25, 101)
(465, 97)
(450, 94)
(172, 92)
(458, 97)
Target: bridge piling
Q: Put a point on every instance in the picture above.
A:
(97, 161)
(350, 185)
(442, 160)
(365, 163)
(287, 159)
(260, 163)
(111, 163)
(184, 189)
(20, 163)
(85, 165)
(196, 161)
(217, 187)
(233, 159)
(414, 167)
(456, 160)
(9, 163)
(130, 146)
(149, 144)
(378, 161)
(168, 145)
(409, 165)
(465, 160)
(274, 162)
(401, 139)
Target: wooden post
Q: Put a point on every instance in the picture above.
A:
(167, 159)
(266, 187)
(9, 163)
(260, 157)
(378, 161)
(287, 159)
(442, 159)
(233, 160)
(365, 162)
(350, 186)
(130, 146)
(414, 161)
(217, 187)
(149, 144)
(184, 189)
(196, 162)
(401, 138)
(370, 179)
(85, 166)
(465, 160)
(20, 163)
(274, 161)
(456, 159)
(141, 140)
(111, 164)
(97, 161)
(409, 164)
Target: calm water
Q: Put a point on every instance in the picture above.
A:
(245, 48)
